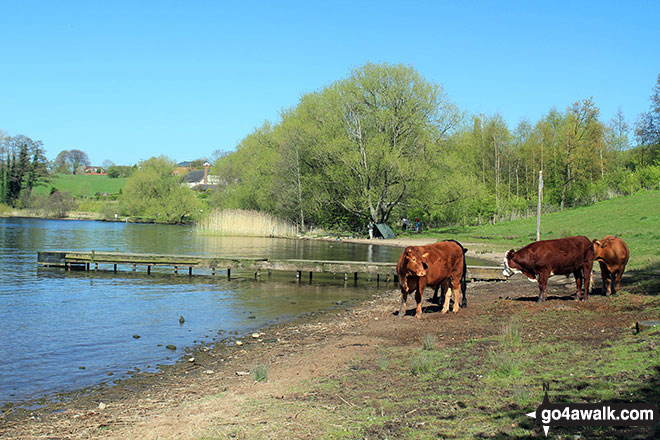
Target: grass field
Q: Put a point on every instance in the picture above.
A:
(634, 218)
(83, 186)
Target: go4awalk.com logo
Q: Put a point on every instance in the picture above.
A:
(593, 414)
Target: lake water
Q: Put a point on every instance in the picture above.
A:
(65, 330)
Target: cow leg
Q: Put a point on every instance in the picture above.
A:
(578, 283)
(434, 300)
(418, 297)
(445, 307)
(586, 272)
(616, 281)
(543, 286)
(605, 276)
(405, 289)
(404, 297)
(456, 287)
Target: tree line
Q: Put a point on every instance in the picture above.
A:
(23, 166)
(385, 143)
(382, 144)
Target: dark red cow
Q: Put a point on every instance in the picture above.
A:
(438, 265)
(612, 255)
(542, 259)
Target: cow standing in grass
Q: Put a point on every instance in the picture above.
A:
(540, 260)
(612, 255)
(438, 265)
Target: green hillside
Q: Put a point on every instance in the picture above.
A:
(634, 218)
(83, 186)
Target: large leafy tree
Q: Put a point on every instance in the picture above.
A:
(70, 161)
(370, 136)
(247, 174)
(153, 191)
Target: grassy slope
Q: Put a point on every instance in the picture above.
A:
(634, 218)
(86, 186)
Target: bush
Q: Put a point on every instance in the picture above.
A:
(60, 203)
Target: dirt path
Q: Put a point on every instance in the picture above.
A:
(208, 396)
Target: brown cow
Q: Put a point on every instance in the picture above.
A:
(612, 255)
(436, 265)
(542, 259)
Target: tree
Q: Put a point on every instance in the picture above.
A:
(70, 161)
(24, 167)
(373, 132)
(247, 174)
(647, 129)
(154, 192)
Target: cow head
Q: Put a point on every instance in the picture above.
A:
(415, 263)
(508, 262)
(599, 247)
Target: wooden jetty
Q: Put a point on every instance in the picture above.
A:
(89, 260)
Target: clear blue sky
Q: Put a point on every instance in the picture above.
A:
(128, 80)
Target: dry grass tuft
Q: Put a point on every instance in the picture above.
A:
(242, 223)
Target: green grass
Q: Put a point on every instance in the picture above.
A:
(83, 186)
(260, 373)
(636, 219)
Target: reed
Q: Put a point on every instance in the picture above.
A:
(242, 223)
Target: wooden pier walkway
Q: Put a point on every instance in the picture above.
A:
(381, 271)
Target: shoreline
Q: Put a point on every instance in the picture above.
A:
(208, 359)
(58, 398)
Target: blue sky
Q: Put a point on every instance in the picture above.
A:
(126, 81)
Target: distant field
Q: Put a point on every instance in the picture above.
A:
(85, 186)
(634, 218)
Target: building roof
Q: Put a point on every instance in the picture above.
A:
(194, 176)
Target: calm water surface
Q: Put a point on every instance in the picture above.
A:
(63, 331)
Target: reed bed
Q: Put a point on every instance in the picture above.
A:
(242, 223)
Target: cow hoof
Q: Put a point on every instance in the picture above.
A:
(418, 316)
(454, 311)
(540, 300)
(444, 311)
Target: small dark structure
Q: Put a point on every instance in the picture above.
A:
(383, 231)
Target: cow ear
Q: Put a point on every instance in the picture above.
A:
(509, 254)
(425, 254)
